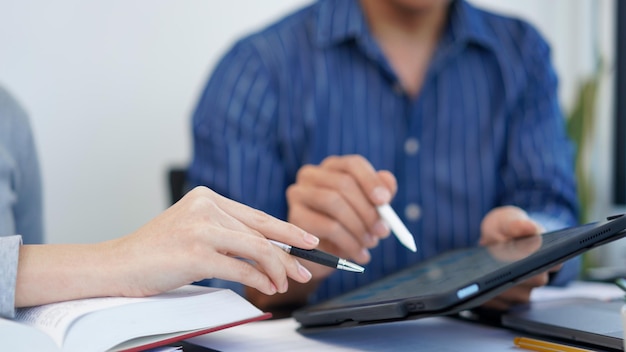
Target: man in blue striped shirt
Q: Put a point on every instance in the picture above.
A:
(458, 106)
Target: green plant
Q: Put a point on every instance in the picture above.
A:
(580, 128)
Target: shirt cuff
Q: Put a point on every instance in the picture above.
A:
(9, 254)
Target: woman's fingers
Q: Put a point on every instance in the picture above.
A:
(261, 223)
(269, 261)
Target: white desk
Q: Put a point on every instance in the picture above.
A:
(429, 334)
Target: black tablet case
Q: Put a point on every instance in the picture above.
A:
(457, 280)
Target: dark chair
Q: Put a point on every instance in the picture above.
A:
(177, 179)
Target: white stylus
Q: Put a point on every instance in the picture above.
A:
(397, 226)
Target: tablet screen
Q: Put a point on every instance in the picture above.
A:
(453, 271)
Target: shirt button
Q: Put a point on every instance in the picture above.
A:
(411, 146)
(413, 212)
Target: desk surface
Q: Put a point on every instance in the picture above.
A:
(428, 334)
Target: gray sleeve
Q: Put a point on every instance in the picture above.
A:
(20, 177)
(9, 252)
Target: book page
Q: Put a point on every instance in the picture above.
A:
(76, 324)
(179, 312)
(56, 318)
(16, 337)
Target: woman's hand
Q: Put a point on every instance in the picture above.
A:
(204, 235)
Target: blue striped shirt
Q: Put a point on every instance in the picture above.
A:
(485, 130)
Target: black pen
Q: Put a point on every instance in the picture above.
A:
(319, 257)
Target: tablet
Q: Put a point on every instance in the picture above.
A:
(590, 321)
(458, 280)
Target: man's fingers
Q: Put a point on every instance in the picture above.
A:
(333, 205)
(389, 180)
(507, 222)
(336, 186)
(330, 232)
(365, 174)
(520, 227)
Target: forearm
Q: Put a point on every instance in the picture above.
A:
(52, 273)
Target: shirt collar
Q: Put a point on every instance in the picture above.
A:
(340, 21)
(467, 25)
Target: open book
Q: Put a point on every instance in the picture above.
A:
(126, 324)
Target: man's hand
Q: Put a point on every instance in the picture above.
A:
(337, 201)
(503, 224)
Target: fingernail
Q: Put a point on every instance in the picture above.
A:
(380, 195)
(364, 256)
(380, 229)
(272, 289)
(285, 287)
(310, 239)
(304, 273)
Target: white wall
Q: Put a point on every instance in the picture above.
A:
(110, 86)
